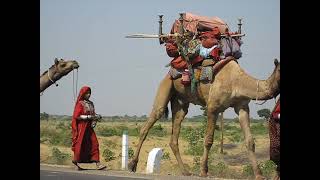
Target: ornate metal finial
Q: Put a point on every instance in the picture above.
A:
(160, 28)
(239, 25)
(181, 23)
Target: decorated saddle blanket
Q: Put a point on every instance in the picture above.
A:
(203, 72)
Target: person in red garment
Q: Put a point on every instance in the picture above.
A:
(274, 134)
(84, 140)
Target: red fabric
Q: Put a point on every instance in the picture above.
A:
(193, 23)
(208, 42)
(210, 38)
(276, 111)
(172, 49)
(215, 53)
(274, 134)
(214, 33)
(84, 140)
(179, 63)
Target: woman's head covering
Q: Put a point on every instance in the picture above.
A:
(82, 92)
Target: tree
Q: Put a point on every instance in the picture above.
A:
(44, 116)
(264, 113)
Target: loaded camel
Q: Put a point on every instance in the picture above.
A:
(231, 87)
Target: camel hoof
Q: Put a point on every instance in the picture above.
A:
(132, 166)
(186, 173)
(203, 174)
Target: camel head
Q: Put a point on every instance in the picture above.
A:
(275, 85)
(63, 67)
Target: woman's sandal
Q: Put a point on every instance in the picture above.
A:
(77, 167)
(100, 167)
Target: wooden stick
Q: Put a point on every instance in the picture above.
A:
(221, 124)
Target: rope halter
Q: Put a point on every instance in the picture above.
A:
(51, 79)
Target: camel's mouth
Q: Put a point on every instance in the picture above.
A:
(76, 66)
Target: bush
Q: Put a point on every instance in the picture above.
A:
(107, 132)
(196, 164)
(116, 131)
(268, 168)
(195, 141)
(134, 132)
(247, 171)
(166, 156)
(108, 155)
(158, 130)
(59, 157)
(130, 152)
(220, 169)
(58, 135)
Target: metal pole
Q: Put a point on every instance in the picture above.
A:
(239, 26)
(160, 29)
(181, 24)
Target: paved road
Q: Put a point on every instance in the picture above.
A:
(56, 172)
(58, 175)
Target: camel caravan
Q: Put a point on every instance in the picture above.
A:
(59, 69)
(205, 71)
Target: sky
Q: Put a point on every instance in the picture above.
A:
(123, 73)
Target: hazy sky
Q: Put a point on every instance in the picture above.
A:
(124, 73)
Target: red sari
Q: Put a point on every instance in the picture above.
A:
(84, 140)
(274, 134)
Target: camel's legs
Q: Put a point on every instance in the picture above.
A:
(160, 103)
(212, 119)
(179, 111)
(244, 120)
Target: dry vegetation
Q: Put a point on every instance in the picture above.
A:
(232, 163)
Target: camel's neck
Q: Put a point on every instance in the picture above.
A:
(257, 89)
(45, 81)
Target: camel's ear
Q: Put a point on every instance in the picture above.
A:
(276, 62)
(56, 61)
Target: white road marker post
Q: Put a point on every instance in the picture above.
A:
(153, 164)
(125, 155)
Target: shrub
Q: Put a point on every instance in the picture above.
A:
(107, 132)
(59, 157)
(220, 169)
(61, 135)
(130, 152)
(166, 156)
(268, 168)
(247, 170)
(108, 155)
(196, 164)
(158, 130)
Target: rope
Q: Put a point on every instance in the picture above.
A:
(75, 92)
(257, 95)
(51, 79)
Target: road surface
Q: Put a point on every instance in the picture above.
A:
(58, 172)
